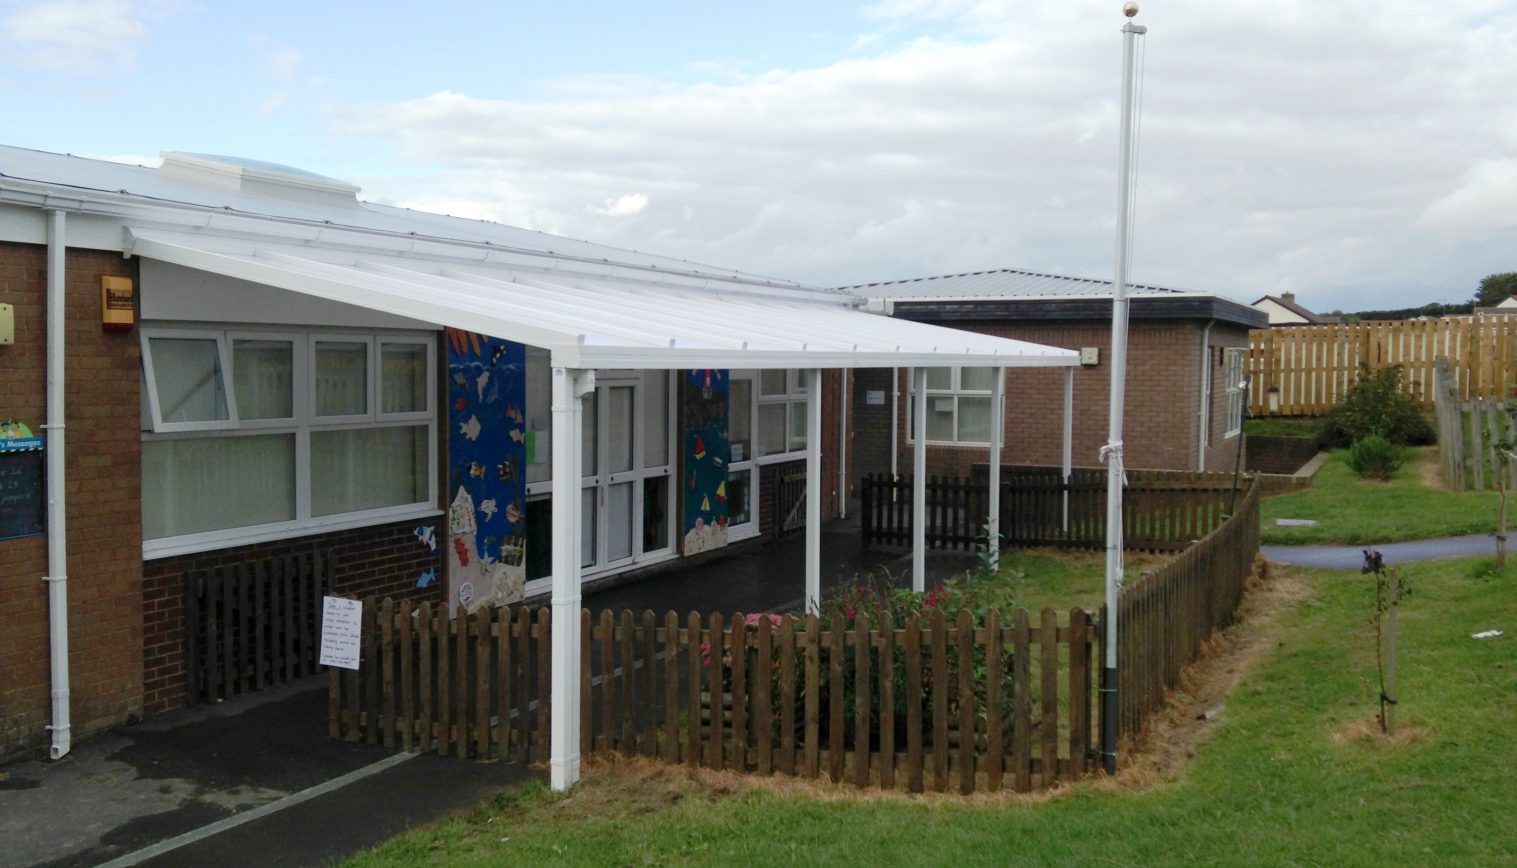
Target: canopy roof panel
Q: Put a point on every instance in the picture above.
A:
(596, 318)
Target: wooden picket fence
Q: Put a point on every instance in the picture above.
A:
(253, 624)
(931, 704)
(1468, 431)
(928, 704)
(470, 685)
(1165, 618)
(1162, 510)
(1310, 367)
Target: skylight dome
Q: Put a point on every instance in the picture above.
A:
(257, 177)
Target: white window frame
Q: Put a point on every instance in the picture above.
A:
(371, 388)
(954, 392)
(298, 376)
(301, 425)
(794, 399)
(150, 380)
(1233, 360)
(750, 462)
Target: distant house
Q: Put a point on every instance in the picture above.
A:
(1283, 310)
(1184, 366)
(1506, 307)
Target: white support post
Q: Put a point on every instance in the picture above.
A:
(1069, 424)
(569, 387)
(919, 482)
(843, 442)
(997, 434)
(813, 491)
(895, 435)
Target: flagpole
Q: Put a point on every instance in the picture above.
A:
(1111, 453)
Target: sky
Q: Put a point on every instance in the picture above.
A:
(1361, 155)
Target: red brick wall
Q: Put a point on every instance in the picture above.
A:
(1161, 421)
(381, 561)
(103, 494)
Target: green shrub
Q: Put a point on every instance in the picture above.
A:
(1375, 457)
(1375, 404)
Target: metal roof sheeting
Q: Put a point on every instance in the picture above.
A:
(1004, 283)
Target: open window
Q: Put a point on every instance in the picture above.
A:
(254, 435)
(185, 376)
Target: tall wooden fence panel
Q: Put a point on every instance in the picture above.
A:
(1165, 618)
(1468, 434)
(253, 624)
(1161, 510)
(1306, 370)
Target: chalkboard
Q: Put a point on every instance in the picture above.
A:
(21, 501)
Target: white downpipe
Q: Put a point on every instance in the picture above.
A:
(843, 443)
(919, 482)
(569, 387)
(997, 434)
(1203, 421)
(1069, 446)
(895, 424)
(814, 491)
(57, 518)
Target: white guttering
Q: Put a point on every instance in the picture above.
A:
(1203, 416)
(57, 522)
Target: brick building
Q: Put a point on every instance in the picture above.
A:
(1184, 359)
(249, 362)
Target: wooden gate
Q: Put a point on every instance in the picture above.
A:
(253, 625)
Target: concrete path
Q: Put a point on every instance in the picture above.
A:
(266, 755)
(1352, 557)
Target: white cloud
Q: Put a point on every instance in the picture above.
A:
(621, 206)
(1308, 145)
(1485, 200)
(76, 35)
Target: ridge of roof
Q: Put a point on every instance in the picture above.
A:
(1004, 283)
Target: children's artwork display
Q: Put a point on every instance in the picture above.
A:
(486, 547)
(706, 455)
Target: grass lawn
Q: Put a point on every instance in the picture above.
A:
(1062, 578)
(1291, 774)
(1357, 511)
(1283, 426)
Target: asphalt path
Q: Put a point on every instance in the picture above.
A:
(1352, 557)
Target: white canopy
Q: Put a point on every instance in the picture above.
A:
(591, 315)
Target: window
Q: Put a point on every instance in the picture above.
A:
(1235, 391)
(251, 436)
(781, 412)
(959, 405)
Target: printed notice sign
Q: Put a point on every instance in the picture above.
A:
(341, 625)
(874, 397)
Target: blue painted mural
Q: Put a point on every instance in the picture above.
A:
(486, 470)
(706, 455)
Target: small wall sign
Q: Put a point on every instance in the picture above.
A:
(341, 630)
